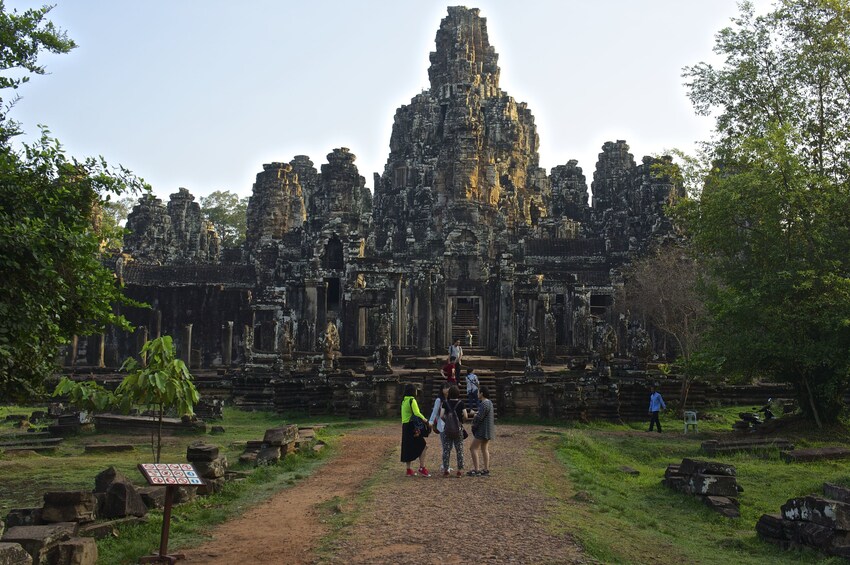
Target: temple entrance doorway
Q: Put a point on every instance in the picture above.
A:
(466, 317)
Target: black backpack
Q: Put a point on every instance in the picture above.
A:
(452, 422)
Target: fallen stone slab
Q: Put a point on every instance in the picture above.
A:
(97, 449)
(25, 440)
(200, 451)
(835, 492)
(14, 554)
(713, 447)
(815, 454)
(100, 530)
(713, 485)
(214, 469)
(727, 506)
(123, 500)
(23, 517)
(69, 506)
(37, 541)
(153, 497)
(629, 470)
(75, 551)
(30, 449)
(105, 478)
(821, 511)
(268, 456)
(281, 436)
(695, 466)
(770, 526)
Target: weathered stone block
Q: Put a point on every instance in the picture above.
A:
(75, 551)
(23, 517)
(105, 478)
(268, 456)
(211, 486)
(249, 458)
(770, 526)
(835, 492)
(37, 541)
(713, 485)
(100, 530)
(123, 500)
(70, 506)
(695, 466)
(830, 513)
(14, 554)
(201, 452)
(281, 436)
(153, 497)
(211, 469)
(724, 505)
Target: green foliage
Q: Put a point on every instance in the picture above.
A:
(54, 285)
(163, 382)
(227, 212)
(771, 218)
(113, 214)
(87, 395)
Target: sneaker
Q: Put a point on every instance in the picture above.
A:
(410, 473)
(446, 473)
(459, 473)
(484, 473)
(424, 472)
(472, 473)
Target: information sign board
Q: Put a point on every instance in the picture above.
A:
(165, 474)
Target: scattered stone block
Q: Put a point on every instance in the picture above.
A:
(108, 448)
(75, 551)
(249, 458)
(714, 482)
(694, 466)
(629, 470)
(105, 478)
(727, 506)
(200, 451)
(123, 500)
(268, 456)
(815, 454)
(713, 485)
(821, 511)
(211, 486)
(23, 517)
(37, 541)
(211, 469)
(14, 554)
(69, 506)
(100, 530)
(835, 492)
(217, 430)
(153, 497)
(283, 435)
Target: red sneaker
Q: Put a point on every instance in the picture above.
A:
(424, 472)
(446, 473)
(410, 473)
(459, 474)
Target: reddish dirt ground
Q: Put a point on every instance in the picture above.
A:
(396, 519)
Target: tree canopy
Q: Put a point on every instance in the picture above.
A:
(772, 215)
(227, 212)
(54, 283)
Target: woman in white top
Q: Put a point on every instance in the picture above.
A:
(435, 420)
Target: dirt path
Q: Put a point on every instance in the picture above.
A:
(287, 527)
(402, 520)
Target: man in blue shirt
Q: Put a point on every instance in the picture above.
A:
(656, 404)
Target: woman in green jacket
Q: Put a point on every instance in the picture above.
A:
(412, 446)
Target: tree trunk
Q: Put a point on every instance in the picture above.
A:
(683, 395)
(812, 403)
(159, 435)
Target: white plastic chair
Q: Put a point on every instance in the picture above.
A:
(691, 420)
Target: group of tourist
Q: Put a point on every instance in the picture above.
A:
(448, 415)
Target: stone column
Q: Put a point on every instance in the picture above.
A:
(322, 304)
(141, 339)
(361, 326)
(186, 345)
(423, 315)
(101, 351)
(227, 344)
(440, 324)
(310, 310)
(71, 355)
(157, 324)
(506, 319)
(400, 322)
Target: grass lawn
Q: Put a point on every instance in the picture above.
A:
(25, 478)
(620, 518)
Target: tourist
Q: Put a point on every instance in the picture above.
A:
(656, 404)
(413, 445)
(456, 351)
(453, 404)
(449, 371)
(435, 420)
(469, 338)
(483, 430)
(471, 389)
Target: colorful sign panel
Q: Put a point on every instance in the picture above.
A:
(164, 474)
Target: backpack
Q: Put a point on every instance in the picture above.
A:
(452, 422)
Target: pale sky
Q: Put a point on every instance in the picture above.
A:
(200, 94)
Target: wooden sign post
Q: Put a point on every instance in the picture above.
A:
(171, 476)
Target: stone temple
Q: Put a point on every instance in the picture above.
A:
(463, 234)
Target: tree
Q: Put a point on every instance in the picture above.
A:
(54, 285)
(771, 219)
(162, 382)
(111, 218)
(227, 212)
(663, 291)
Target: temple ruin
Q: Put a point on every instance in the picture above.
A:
(464, 236)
